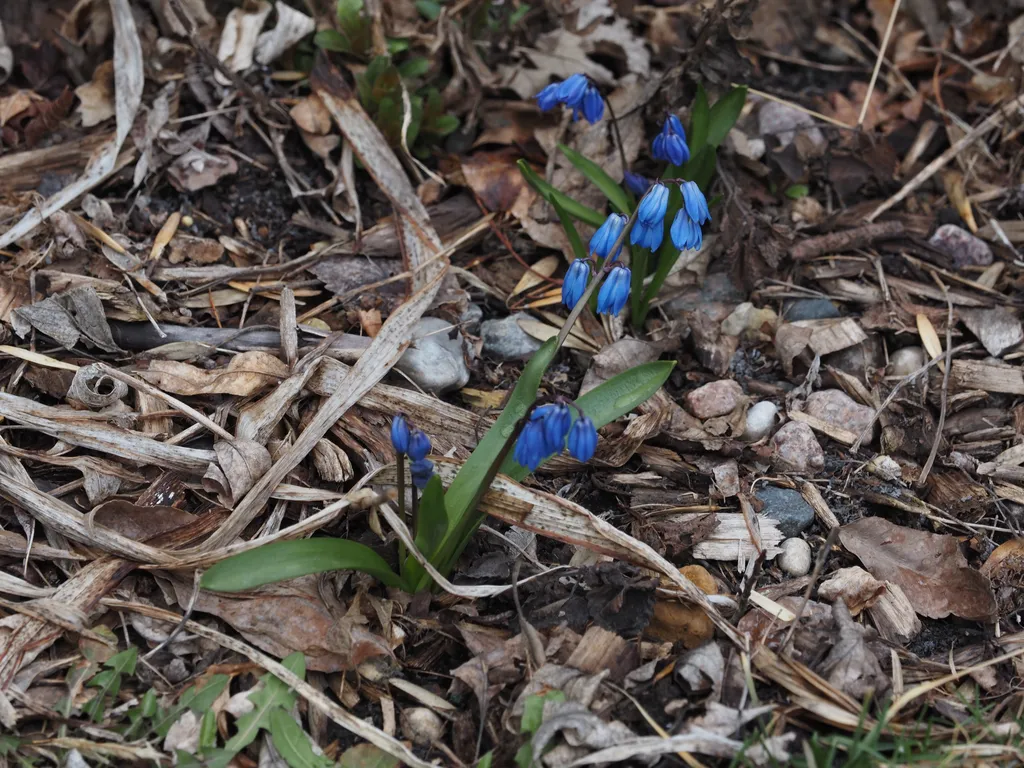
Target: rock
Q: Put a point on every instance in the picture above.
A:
(715, 399)
(505, 340)
(760, 420)
(786, 506)
(998, 329)
(469, 321)
(422, 726)
(435, 361)
(840, 410)
(796, 449)
(905, 361)
(675, 621)
(810, 309)
(784, 122)
(856, 360)
(795, 559)
(966, 249)
(719, 286)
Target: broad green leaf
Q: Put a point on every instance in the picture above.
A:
(349, 12)
(275, 694)
(431, 526)
(429, 9)
(282, 560)
(796, 191)
(575, 241)
(414, 67)
(366, 756)
(332, 40)
(724, 115)
(524, 757)
(397, 45)
(208, 730)
(700, 117)
(533, 710)
(616, 195)
(443, 125)
(109, 681)
(203, 698)
(549, 193)
(700, 168)
(292, 742)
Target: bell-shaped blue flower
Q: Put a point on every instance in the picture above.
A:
(694, 202)
(685, 232)
(606, 236)
(654, 204)
(676, 126)
(556, 426)
(572, 90)
(400, 434)
(647, 235)
(574, 284)
(670, 144)
(531, 447)
(614, 291)
(636, 183)
(583, 439)
(419, 445)
(593, 104)
(421, 470)
(548, 97)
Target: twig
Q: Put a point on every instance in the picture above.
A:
(819, 566)
(847, 240)
(184, 619)
(945, 386)
(878, 61)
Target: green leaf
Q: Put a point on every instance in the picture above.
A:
(203, 699)
(486, 760)
(724, 115)
(350, 12)
(700, 117)
(367, 756)
(397, 45)
(429, 9)
(700, 168)
(616, 195)
(533, 710)
(549, 193)
(414, 67)
(292, 742)
(524, 756)
(208, 730)
(433, 517)
(109, 681)
(332, 40)
(282, 560)
(443, 125)
(796, 191)
(575, 241)
(275, 694)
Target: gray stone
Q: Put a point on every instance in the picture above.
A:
(469, 321)
(835, 407)
(966, 249)
(788, 507)
(435, 359)
(795, 559)
(505, 340)
(906, 360)
(810, 309)
(796, 449)
(784, 122)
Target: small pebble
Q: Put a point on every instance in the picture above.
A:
(715, 399)
(422, 726)
(905, 361)
(810, 309)
(786, 506)
(504, 339)
(840, 410)
(760, 420)
(966, 249)
(434, 360)
(187, 221)
(795, 559)
(796, 449)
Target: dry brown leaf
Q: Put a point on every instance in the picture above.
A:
(96, 98)
(243, 376)
(928, 567)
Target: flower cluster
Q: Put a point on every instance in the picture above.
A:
(670, 145)
(549, 429)
(686, 229)
(578, 93)
(415, 444)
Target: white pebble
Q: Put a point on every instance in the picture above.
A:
(905, 361)
(795, 558)
(421, 725)
(760, 420)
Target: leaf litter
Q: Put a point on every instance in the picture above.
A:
(223, 276)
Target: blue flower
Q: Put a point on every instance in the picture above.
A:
(606, 236)
(670, 145)
(653, 206)
(400, 434)
(556, 427)
(593, 104)
(548, 97)
(647, 235)
(583, 439)
(419, 445)
(614, 291)
(531, 447)
(574, 284)
(421, 470)
(685, 232)
(572, 90)
(636, 183)
(695, 203)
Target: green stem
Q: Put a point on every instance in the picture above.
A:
(401, 504)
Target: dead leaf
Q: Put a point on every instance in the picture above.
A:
(67, 318)
(96, 98)
(197, 169)
(246, 374)
(928, 567)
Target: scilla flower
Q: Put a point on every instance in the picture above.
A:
(654, 204)
(419, 445)
(400, 434)
(548, 97)
(670, 145)
(694, 202)
(574, 284)
(614, 291)
(576, 92)
(556, 427)
(592, 105)
(583, 439)
(647, 236)
(421, 471)
(531, 446)
(572, 90)
(685, 232)
(607, 235)
(636, 183)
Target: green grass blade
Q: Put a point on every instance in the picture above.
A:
(549, 193)
(575, 241)
(700, 117)
(282, 560)
(612, 190)
(724, 114)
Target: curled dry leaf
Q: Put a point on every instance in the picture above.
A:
(928, 567)
(240, 464)
(243, 376)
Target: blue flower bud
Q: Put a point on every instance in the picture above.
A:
(556, 426)
(421, 471)
(571, 90)
(531, 446)
(670, 144)
(647, 236)
(400, 434)
(695, 203)
(676, 149)
(676, 126)
(636, 183)
(574, 284)
(419, 445)
(685, 232)
(614, 291)
(653, 205)
(603, 240)
(583, 439)
(593, 104)
(548, 97)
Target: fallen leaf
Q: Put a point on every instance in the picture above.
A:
(197, 169)
(96, 98)
(245, 375)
